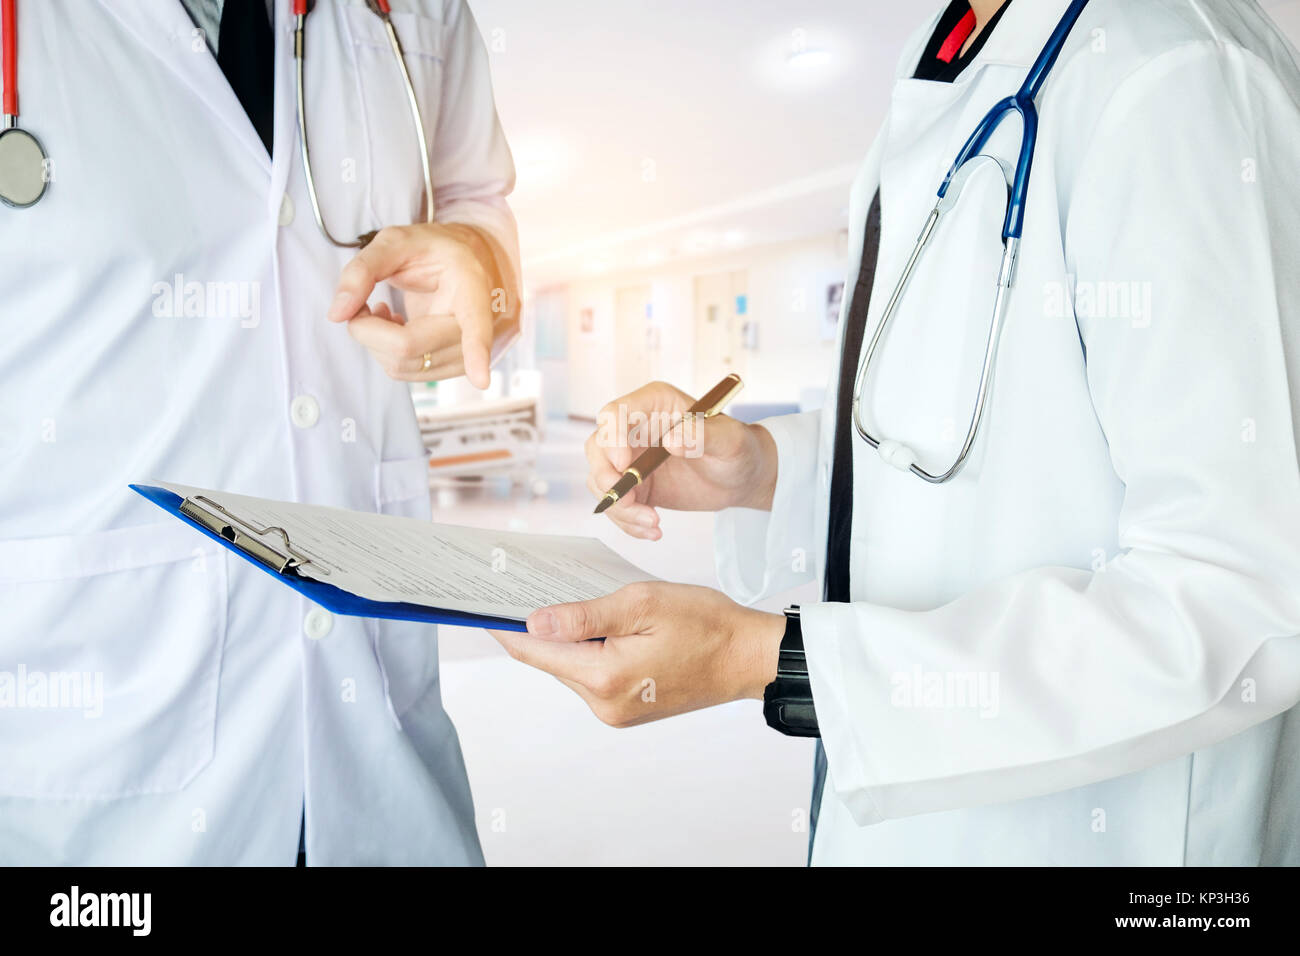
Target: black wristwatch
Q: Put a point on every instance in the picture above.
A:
(788, 700)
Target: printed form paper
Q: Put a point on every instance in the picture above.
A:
(506, 574)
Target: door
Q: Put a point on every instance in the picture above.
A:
(721, 314)
(635, 345)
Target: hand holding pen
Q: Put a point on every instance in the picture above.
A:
(712, 463)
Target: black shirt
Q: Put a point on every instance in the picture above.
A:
(246, 55)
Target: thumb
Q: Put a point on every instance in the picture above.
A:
(615, 615)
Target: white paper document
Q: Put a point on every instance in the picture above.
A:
(501, 574)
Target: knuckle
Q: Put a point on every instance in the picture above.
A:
(387, 236)
(603, 684)
(640, 595)
(473, 268)
(409, 350)
(580, 620)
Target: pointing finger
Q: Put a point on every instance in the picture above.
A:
(372, 265)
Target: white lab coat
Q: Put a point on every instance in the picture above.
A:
(227, 700)
(1117, 569)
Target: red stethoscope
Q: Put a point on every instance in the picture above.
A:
(24, 165)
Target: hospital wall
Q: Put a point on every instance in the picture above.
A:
(588, 355)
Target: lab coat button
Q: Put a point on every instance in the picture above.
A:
(317, 623)
(286, 210)
(305, 411)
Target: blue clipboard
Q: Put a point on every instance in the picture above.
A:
(328, 596)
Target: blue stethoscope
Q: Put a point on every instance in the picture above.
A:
(894, 452)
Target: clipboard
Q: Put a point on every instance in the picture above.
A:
(271, 550)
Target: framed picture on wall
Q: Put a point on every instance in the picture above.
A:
(587, 321)
(831, 316)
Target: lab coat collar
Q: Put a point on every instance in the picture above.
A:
(1017, 41)
(1023, 32)
(168, 32)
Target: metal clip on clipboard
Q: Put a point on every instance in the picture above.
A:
(285, 561)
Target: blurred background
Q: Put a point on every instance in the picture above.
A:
(683, 178)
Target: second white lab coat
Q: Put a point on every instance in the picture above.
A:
(164, 310)
(1084, 648)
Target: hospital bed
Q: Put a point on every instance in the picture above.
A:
(474, 440)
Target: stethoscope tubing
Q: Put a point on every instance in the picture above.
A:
(1022, 103)
(9, 54)
(381, 9)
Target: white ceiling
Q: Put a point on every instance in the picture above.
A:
(647, 131)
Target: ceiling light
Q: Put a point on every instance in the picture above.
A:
(809, 60)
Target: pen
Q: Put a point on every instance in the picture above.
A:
(711, 404)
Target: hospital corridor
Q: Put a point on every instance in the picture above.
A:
(552, 784)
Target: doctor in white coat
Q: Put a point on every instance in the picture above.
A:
(165, 311)
(1084, 648)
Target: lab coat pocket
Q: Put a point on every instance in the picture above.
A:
(110, 655)
(402, 487)
(396, 179)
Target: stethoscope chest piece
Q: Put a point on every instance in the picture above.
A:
(23, 168)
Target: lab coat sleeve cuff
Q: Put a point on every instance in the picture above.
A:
(760, 553)
(824, 626)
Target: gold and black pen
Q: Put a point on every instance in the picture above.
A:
(711, 404)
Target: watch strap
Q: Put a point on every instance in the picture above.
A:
(788, 701)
